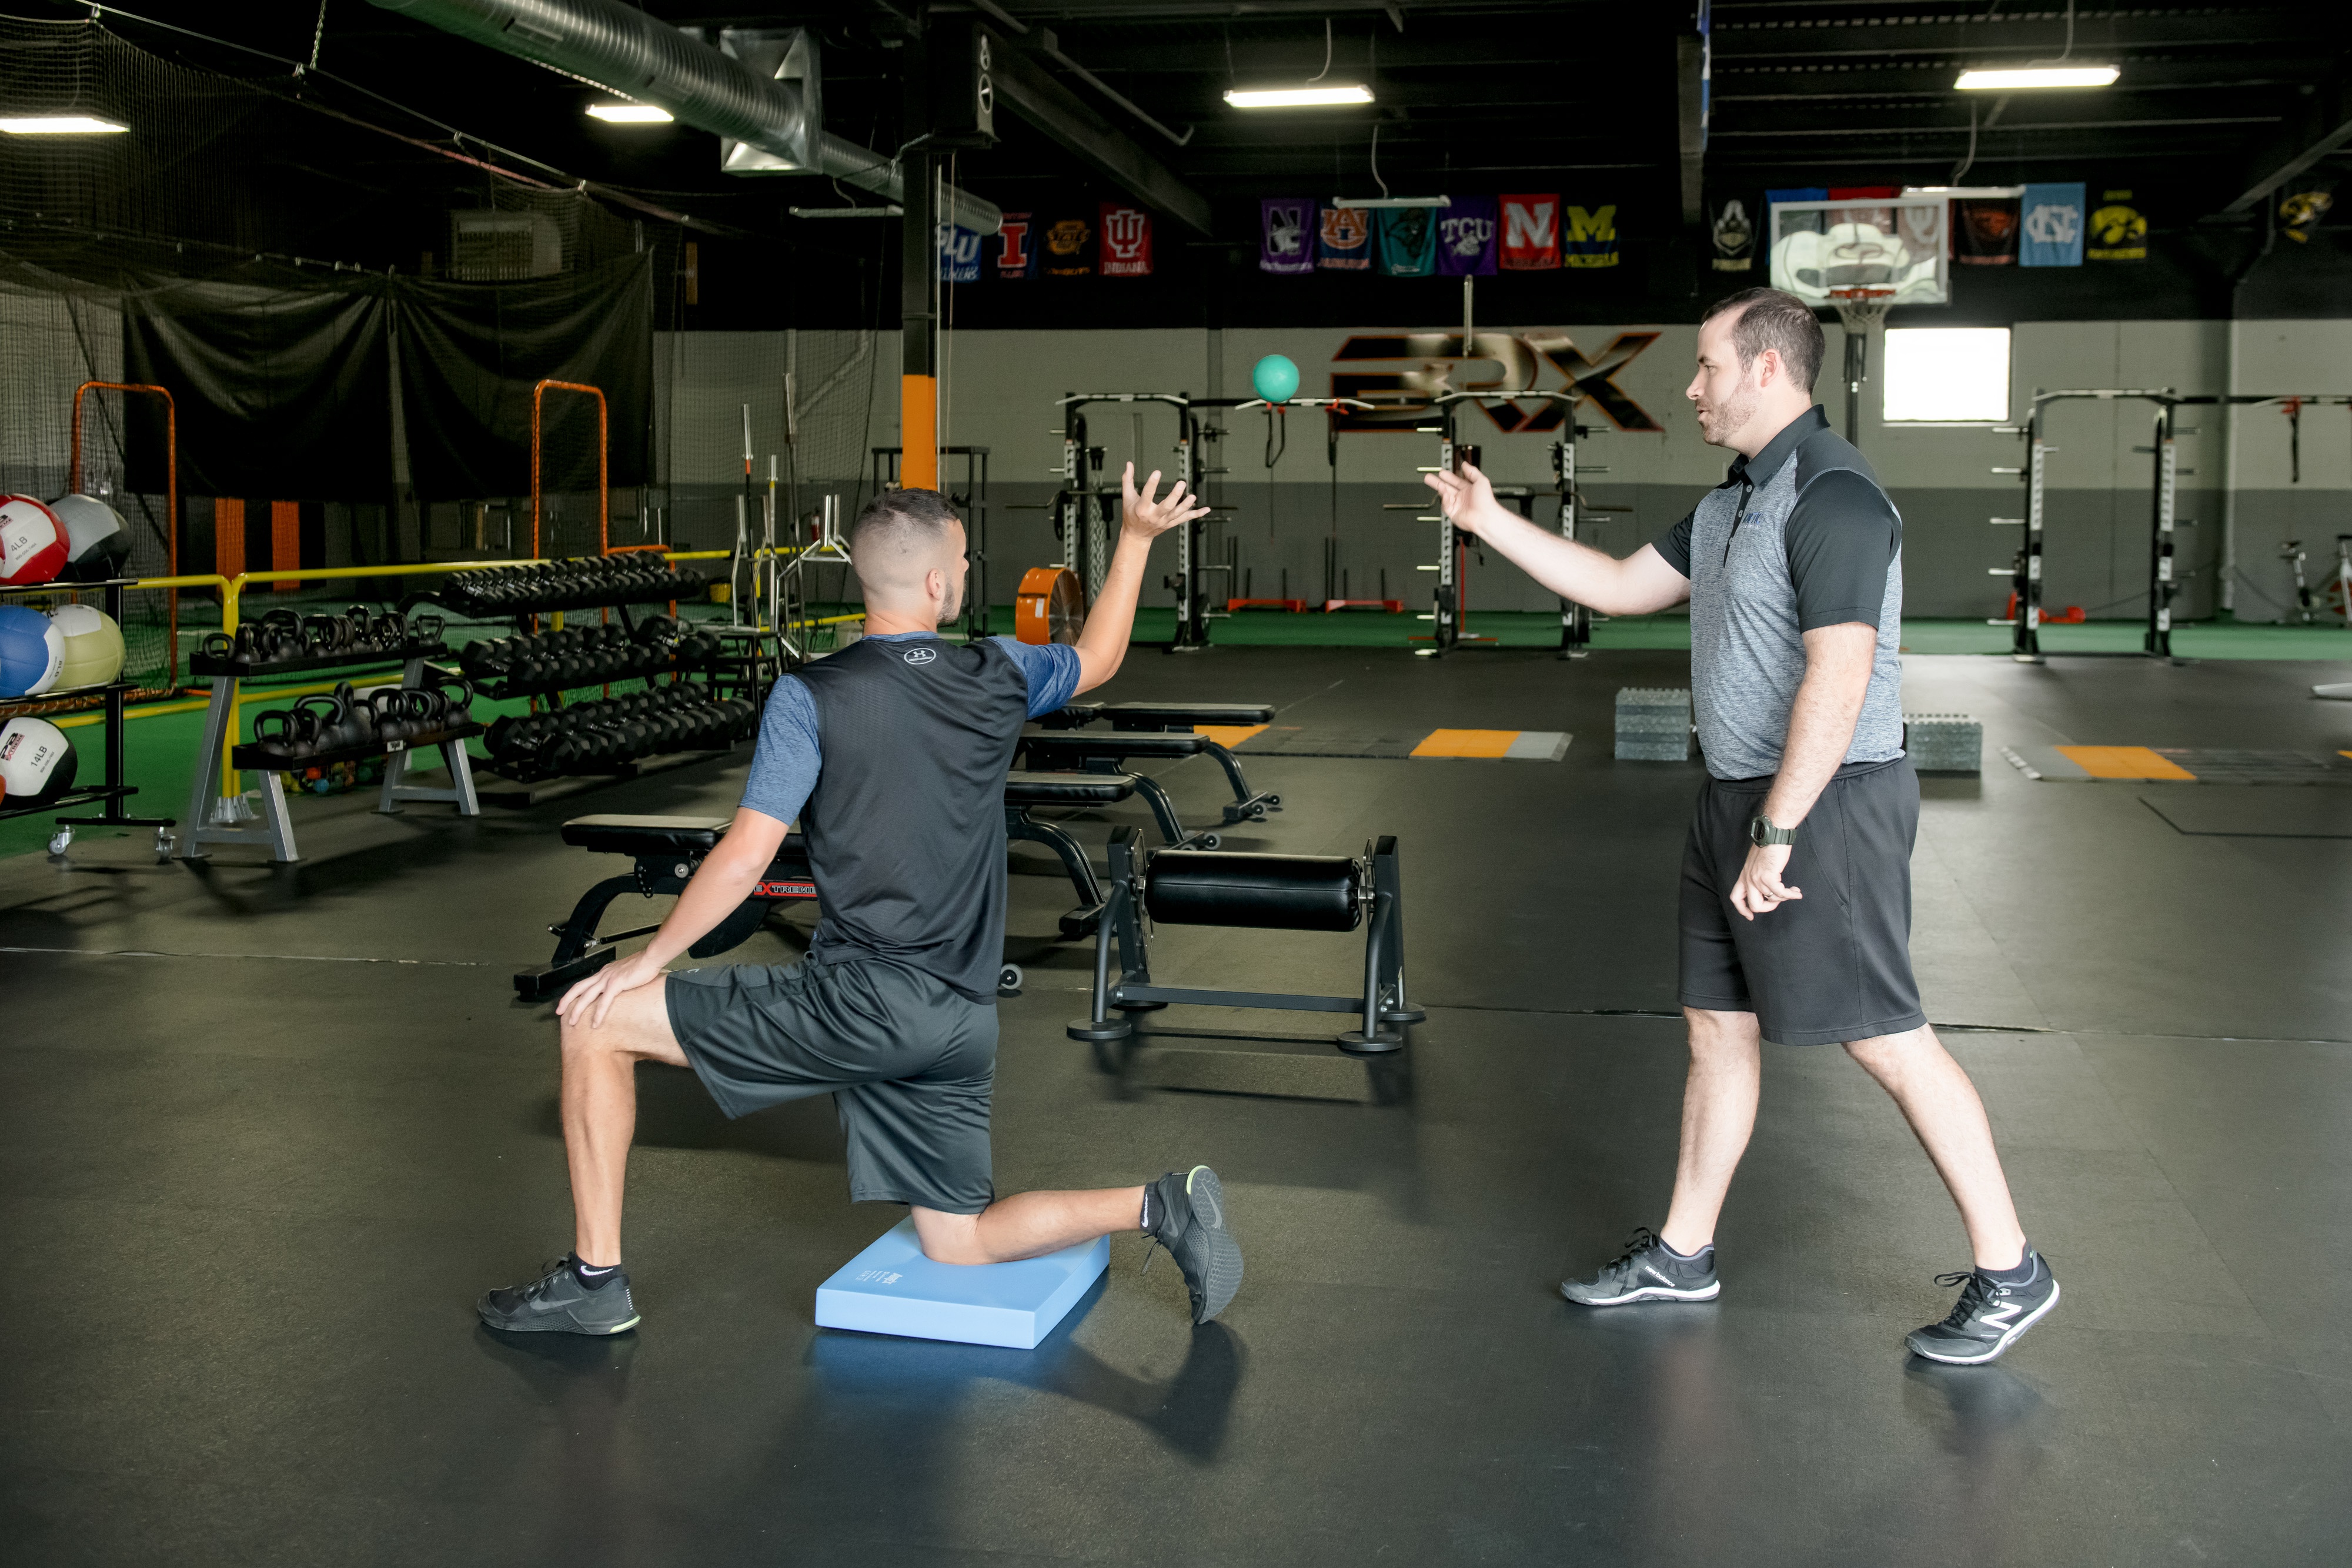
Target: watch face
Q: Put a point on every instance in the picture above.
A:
(1756, 829)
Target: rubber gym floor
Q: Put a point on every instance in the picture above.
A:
(245, 1243)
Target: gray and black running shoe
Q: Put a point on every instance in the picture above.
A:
(1647, 1272)
(1184, 1211)
(1990, 1316)
(557, 1302)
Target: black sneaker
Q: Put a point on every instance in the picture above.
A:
(1990, 1316)
(1184, 1211)
(1647, 1272)
(557, 1302)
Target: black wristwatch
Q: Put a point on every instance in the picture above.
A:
(1761, 831)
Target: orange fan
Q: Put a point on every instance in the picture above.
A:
(1047, 608)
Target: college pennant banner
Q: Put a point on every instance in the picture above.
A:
(1126, 241)
(1592, 236)
(1731, 228)
(1343, 240)
(1531, 234)
(2052, 226)
(1016, 247)
(1406, 239)
(1285, 233)
(2119, 229)
(1466, 237)
(1984, 231)
(1069, 243)
(959, 254)
(2302, 204)
(1799, 223)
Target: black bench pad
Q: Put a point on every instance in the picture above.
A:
(1066, 789)
(1124, 713)
(1052, 751)
(1224, 887)
(645, 835)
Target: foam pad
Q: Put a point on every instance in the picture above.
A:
(1275, 892)
(1066, 789)
(645, 835)
(1067, 750)
(891, 1288)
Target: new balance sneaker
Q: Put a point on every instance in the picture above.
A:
(557, 1302)
(1990, 1316)
(1647, 1271)
(1184, 1211)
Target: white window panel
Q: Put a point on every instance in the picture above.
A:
(1945, 375)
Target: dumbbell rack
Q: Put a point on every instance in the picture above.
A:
(277, 829)
(108, 795)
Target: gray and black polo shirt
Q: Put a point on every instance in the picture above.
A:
(1797, 537)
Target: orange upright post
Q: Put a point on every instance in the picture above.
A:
(229, 537)
(918, 432)
(285, 541)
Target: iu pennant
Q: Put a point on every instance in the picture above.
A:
(1016, 247)
(1466, 237)
(1407, 238)
(1343, 240)
(1070, 247)
(1984, 231)
(1592, 236)
(1531, 234)
(1285, 233)
(1126, 241)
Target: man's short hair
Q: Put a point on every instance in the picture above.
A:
(1771, 320)
(900, 522)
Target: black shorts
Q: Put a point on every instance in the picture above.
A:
(909, 1065)
(1835, 964)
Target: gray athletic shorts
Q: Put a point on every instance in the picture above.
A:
(1835, 964)
(909, 1065)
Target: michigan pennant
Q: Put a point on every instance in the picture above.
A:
(1343, 240)
(1126, 241)
(1592, 236)
(1531, 234)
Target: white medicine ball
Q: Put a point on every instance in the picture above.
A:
(92, 652)
(37, 762)
(96, 542)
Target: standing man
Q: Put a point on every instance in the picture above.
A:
(1796, 880)
(891, 755)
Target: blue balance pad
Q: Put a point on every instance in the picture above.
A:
(891, 1288)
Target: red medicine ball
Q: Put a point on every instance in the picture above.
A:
(33, 543)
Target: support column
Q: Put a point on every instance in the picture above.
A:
(918, 370)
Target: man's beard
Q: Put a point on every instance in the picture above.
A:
(954, 606)
(1730, 418)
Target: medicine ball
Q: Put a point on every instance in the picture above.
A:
(31, 650)
(37, 762)
(32, 541)
(97, 541)
(93, 646)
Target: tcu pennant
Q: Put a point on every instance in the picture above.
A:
(1402, 396)
(1126, 242)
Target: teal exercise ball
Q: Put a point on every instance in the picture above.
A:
(1276, 378)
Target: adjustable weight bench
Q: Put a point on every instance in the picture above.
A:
(1080, 756)
(1274, 893)
(668, 850)
(1024, 790)
(1140, 719)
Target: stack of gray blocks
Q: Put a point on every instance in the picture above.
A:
(1944, 742)
(1653, 723)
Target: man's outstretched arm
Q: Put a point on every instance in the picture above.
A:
(1640, 584)
(1110, 621)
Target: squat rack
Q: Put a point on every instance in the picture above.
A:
(1082, 520)
(2163, 583)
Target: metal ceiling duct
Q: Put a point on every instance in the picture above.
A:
(624, 51)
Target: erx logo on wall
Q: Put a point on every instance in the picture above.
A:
(1403, 396)
(921, 655)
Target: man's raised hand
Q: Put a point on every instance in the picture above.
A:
(1150, 517)
(1465, 497)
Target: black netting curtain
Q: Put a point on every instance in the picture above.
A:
(287, 391)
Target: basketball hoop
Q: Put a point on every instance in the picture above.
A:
(1861, 309)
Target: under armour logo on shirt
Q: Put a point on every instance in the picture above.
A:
(921, 655)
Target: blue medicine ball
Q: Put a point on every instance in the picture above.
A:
(1276, 378)
(31, 648)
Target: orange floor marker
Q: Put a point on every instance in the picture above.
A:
(1228, 735)
(1466, 743)
(2124, 762)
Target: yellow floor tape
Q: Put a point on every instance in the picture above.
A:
(1466, 743)
(1228, 735)
(2124, 762)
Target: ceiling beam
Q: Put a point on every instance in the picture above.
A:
(1026, 89)
(2324, 125)
(1987, 37)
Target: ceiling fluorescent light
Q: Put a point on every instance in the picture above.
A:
(629, 113)
(2036, 76)
(58, 125)
(1297, 97)
(892, 211)
(1391, 201)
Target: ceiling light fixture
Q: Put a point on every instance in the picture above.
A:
(629, 114)
(1297, 97)
(59, 125)
(2012, 80)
